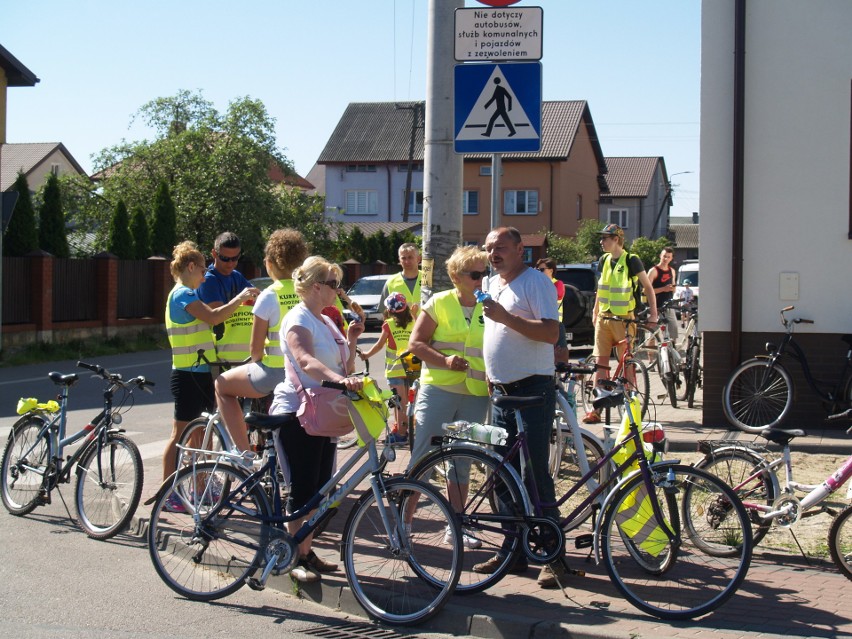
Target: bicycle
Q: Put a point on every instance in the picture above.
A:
(759, 393)
(676, 541)
(400, 573)
(692, 369)
(627, 366)
(656, 349)
(575, 450)
(753, 476)
(108, 464)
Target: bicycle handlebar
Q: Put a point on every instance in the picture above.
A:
(116, 378)
(327, 384)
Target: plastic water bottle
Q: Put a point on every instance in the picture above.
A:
(484, 433)
(481, 296)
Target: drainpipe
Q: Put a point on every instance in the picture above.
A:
(738, 162)
(550, 226)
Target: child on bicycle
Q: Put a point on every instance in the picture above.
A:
(396, 332)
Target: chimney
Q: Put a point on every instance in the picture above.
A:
(695, 217)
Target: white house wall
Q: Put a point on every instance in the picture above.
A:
(338, 180)
(798, 71)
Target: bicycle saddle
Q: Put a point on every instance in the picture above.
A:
(63, 380)
(510, 402)
(266, 422)
(575, 369)
(605, 398)
(781, 436)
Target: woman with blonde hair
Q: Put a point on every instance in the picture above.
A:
(447, 337)
(314, 351)
(188, 324)
(285, 250)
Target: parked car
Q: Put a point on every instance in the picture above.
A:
(367, 291)
(688, 272)
(581, 285)
(261, 282)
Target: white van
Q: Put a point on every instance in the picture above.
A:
(688, 272)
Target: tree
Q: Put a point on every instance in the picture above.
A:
(358, 244)
(120, 241)
(163, 233)
(21, 234)
(216, 167)
(648, 250)
(141, 234)
(51, 224)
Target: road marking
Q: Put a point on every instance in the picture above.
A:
(117, 368)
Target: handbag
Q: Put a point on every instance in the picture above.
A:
(323, 412)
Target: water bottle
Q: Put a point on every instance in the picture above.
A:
(481, 296)
(485, 433)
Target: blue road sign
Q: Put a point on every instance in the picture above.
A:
(498, 107)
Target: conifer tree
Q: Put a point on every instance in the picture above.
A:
(51, 220)
(164, 222)
(141, 234)
(120, 242)
(21, 234)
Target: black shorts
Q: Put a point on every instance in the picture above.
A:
(311, 460)
(193, 393)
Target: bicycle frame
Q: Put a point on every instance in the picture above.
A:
(530, 490)
(791, 349)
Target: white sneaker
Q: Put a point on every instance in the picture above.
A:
(305, 573)
(468, 540)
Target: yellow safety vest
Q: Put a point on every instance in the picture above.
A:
(186, 339)
(235, 344)
(453, 336)
(397, 284)
(615, 286)
(393, 366)
(273, 356)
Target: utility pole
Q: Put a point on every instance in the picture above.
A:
(415, 124)
(442, 167)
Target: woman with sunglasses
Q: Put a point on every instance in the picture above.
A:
(314, 351)
(447, 337)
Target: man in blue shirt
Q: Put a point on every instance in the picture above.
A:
(223, 281)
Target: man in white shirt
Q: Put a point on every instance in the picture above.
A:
(521, 327)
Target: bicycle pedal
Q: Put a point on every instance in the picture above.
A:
(255, 584)
(584, 541)
(44, 499)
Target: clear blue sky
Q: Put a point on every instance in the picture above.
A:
(636, 63)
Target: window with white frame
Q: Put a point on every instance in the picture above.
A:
(362, 202)
(520, 202)
(416, 167)
(470, 203)
(485, 170)
(415, 202)
(360, 168)
(618, 216)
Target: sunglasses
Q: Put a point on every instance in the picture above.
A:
(236, 258)
(543, 269)
(331, 283)
(476, 275)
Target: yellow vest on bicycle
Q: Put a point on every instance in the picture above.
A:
(285, 290)
(186, 339)
(615, 286)
(455, 336)
(393, 366)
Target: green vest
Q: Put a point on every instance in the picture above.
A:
(273, 356)
(615, 286)
(235, 345)
(393, 366)
(453, 336)
(397, 284)
(186, 339)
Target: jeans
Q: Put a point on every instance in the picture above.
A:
(538, 424)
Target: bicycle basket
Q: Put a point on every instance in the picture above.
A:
(369, 412)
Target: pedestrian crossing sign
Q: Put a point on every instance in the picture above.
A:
(498, 107)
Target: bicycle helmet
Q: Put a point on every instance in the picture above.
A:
(395, 302)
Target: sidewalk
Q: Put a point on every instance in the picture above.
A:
(782, 596)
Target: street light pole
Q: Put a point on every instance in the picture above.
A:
(666, 198)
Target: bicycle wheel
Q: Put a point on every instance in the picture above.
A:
(568, 474)
(639, 381)
(742, 471)
(198, 435)
(585, 393)
(840, 541)
(646, 348)
(491, 493)
(670, 378)
(109, 485)
(24, 465)
(213, 557)
(757, 395)
(679, 578)
(694, 373)
(407, 581)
